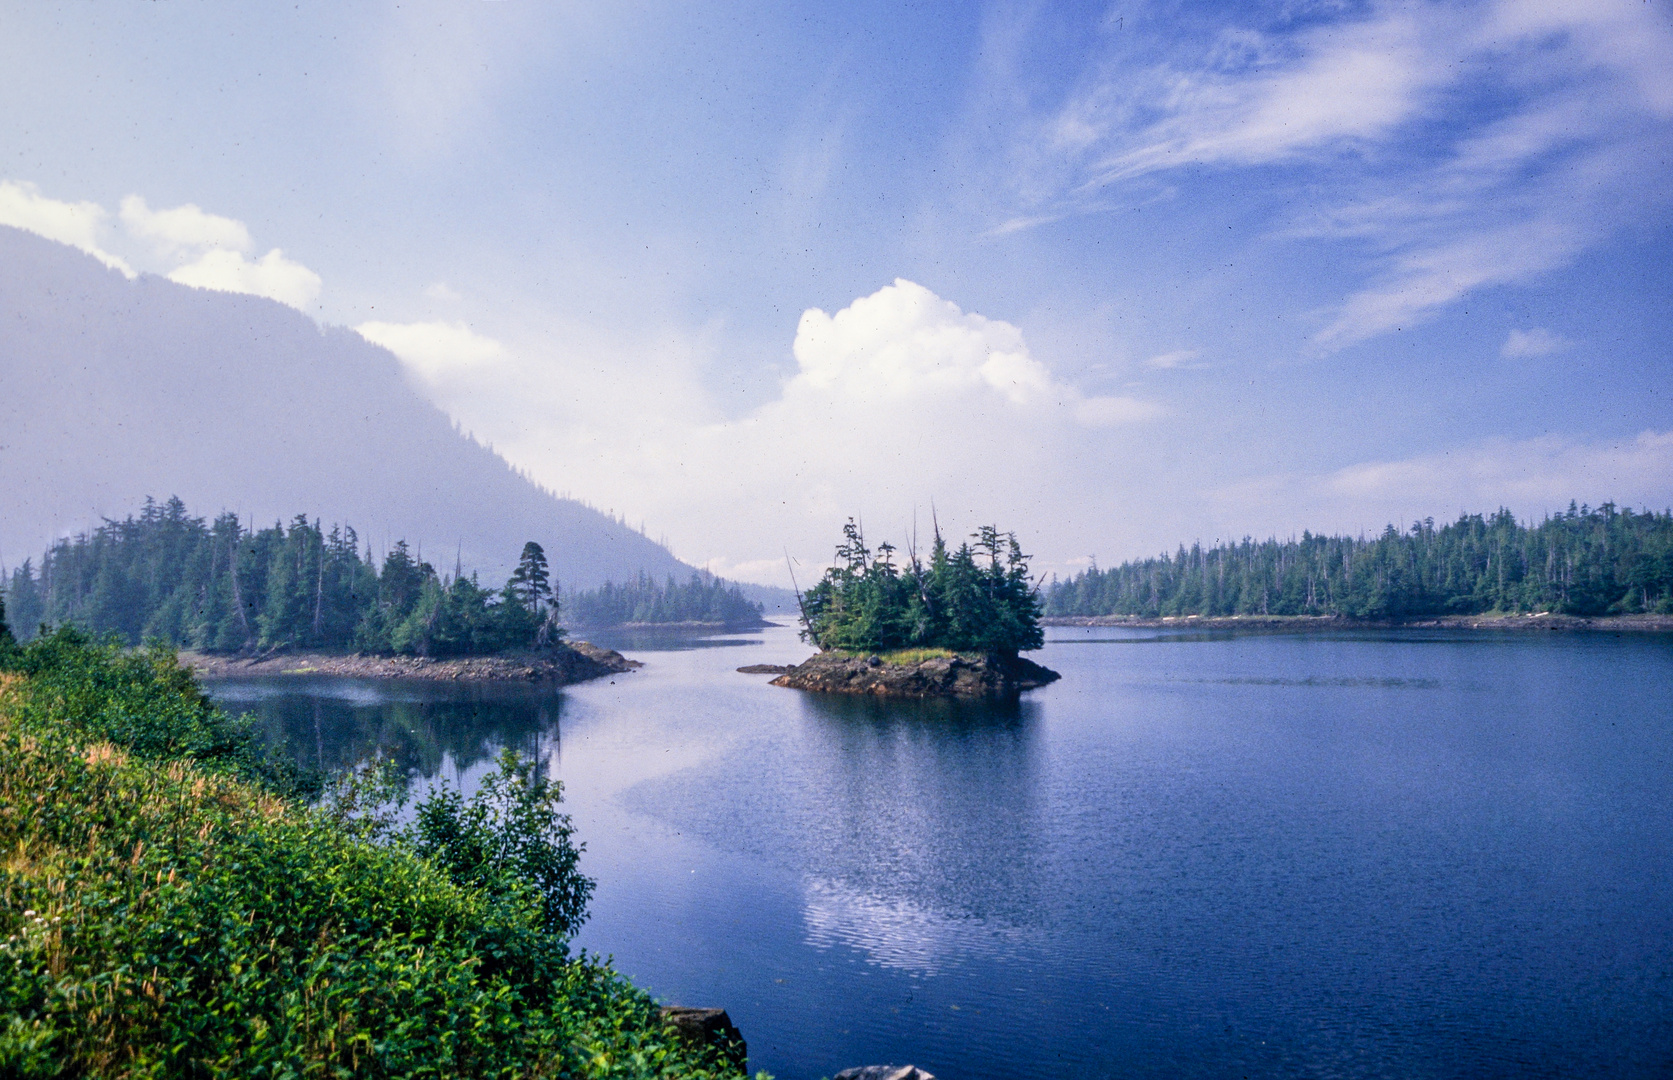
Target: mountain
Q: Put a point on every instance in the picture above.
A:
(114, 389)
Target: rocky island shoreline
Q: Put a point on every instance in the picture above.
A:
(573, 662)
(950, 675)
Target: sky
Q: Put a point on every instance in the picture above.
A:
(1113, 276)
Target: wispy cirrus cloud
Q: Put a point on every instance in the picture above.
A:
(1456, 147)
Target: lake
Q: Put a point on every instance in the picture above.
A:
(1379, 854)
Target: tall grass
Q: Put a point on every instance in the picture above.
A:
(170, 907)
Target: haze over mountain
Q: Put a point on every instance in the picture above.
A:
(115, 389)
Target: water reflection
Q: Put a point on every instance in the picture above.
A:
(427, 729)
(915, 826)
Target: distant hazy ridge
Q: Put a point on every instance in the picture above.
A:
(111, 390)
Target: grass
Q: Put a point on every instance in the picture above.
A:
(906, 657)
(171, 906)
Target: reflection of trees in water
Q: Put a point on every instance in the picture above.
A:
(333, 726)
(937, 801)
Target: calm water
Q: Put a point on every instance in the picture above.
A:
(1402, 855)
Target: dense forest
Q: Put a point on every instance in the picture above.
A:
(1585, 561)
(974, 599)
(221, 587)
(703, 599)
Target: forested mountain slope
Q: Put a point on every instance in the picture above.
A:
(112, 390)
(1606, 561)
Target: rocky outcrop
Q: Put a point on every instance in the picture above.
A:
(573, 662)
(766, 669)
(884, 1072)
(941, 676)
(709, 1028)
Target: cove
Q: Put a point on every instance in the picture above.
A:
(1392, 853)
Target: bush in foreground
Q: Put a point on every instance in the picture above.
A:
(169, 907)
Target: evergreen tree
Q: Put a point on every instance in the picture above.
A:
(703, 599)
(865, 603)
(223, 587)
(530, 582)
(1605, 561)
(8, 644)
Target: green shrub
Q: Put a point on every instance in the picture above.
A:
(168, 907)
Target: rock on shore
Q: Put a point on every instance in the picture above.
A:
(709, 1028)
(573, 662)
(941, 676)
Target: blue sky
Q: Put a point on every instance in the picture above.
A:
(1117, 276)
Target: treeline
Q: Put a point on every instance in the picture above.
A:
(973, 599)
(1603, 561)
(221, 587)
(703, 599)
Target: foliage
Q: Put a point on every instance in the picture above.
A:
(8, 643)
(703, 599)
(220, 587)
(509, 837)
(974, 599)
(166, 912)
(1582, 562)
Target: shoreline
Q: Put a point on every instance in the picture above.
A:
(577, 662)
(957, 675)
(688, 625)
(1541, 621)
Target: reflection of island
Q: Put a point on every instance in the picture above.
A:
(927, 810)
(936, 804)
(426, 729)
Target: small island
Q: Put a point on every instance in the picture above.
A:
(951, 626)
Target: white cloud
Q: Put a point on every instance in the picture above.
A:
(435, 350)
(442, 291)
(1530, 476)
(1446, 204)
(272, 276)
(1345, 84)
(1536, 342)
(1170, 360)
(77, 224)
(183, 230)
(898, 402)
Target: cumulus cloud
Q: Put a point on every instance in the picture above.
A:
(182, 230)
(23, 206)
(898, 402)
(435, 350)
(440, 290)
(272, 276)
(1536, 342)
